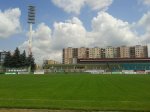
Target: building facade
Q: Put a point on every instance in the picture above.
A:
(124, 52)
(94, 53)
(141, 51)
(67, 55)
(72, 54)
(51, 62)
(110, 52)
(2, 57)
(81, 53)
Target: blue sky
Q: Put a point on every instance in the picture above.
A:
(64, 19)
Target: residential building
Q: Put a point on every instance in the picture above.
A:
(103, 53)
(67, 55)
(124, 52)
(70, 55)
(51, 62)
(141, 51)
(117, 52)
(145, 51)
(94, 52)
(132, 52)
(110, 52)
(2, 56)
(81, 52)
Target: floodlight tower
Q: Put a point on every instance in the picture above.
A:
(31, 21)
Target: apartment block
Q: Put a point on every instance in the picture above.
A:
(50, 62)
(132, 52)
(110, 52)
(145, 51)
(124, 52)
(81, 52)
(103, 53)
(94, 52)
(140, 51)
(70, 55)
(67, 55)
(2, 56)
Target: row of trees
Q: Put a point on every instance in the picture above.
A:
(19, 60)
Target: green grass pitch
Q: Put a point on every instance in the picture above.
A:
(76, 91)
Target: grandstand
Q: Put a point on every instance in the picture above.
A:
(106, 64)
(136, 64)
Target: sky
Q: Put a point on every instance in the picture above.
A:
(73, 23)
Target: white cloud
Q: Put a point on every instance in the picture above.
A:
(146, 2)
(144, 21)
(74, 6)
(111, 31)
(99, 4)
(144, 25)
(70, 5)
(9, 22)
(41, 43)
(69, 34)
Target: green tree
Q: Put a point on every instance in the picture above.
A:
(16, 59)
(31, 63)
(23, 59)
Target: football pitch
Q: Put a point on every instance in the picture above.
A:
(76, 92)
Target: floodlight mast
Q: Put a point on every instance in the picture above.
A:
(31, 21)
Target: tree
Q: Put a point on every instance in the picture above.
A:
(16, 58)
(23, 59)
(31, 63)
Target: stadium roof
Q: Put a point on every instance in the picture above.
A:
(114, 60)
